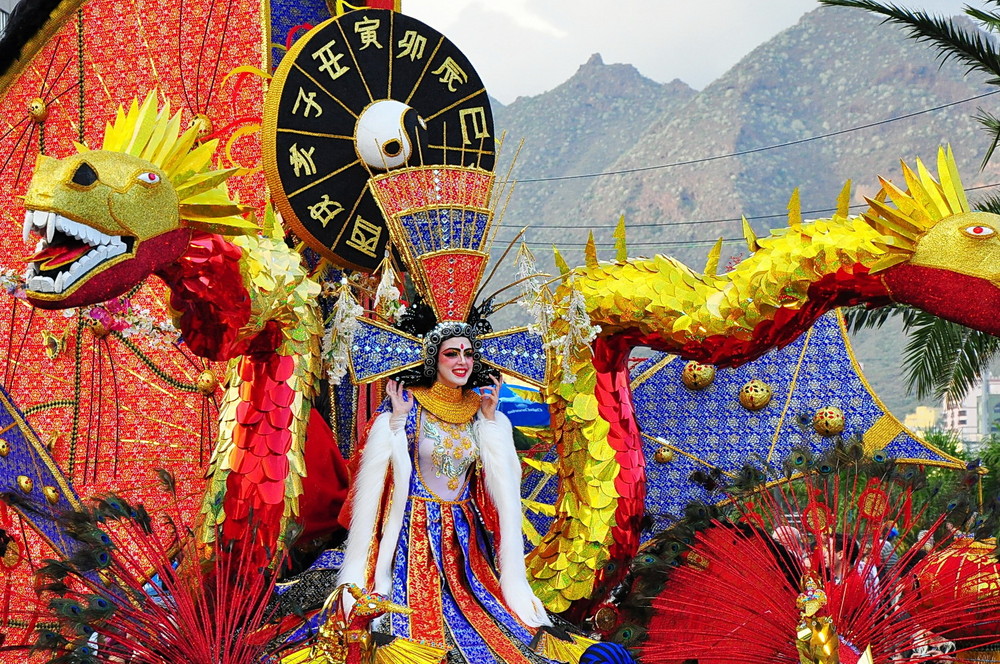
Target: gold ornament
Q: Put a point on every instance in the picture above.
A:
(696, 560)
(51, 494)
(828, 421)
(755, 395)
(4, 448)
(697, 376)
(38, 110)
(207, 382)
(55, 344)
(812, 599)
(606, 618)
(664, 454)
(817, 641)
(25, 483)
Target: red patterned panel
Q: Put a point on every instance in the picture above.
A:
(452, 279)
(116, 407)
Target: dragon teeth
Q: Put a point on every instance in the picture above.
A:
(104, 247)
(41, 284)
(47, 223)
(50, 226)
(85, 233)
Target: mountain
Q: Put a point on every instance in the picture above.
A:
(838, 72)
(582, 126)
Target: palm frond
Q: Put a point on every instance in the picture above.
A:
(991, 124)
(989, 203)
(974, 50)
(862, 317)
(945, 359)
(990, 20)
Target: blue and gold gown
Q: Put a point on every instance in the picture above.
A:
(444, 566)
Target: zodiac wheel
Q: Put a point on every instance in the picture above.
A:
(360, 94)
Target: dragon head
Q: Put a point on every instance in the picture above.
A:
(939, 255)
(107, 219)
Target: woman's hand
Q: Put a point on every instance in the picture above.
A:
(401, 405)
(491, 397)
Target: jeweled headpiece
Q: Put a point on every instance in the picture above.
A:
(440, 221)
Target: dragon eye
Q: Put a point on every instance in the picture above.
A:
(979, 230)
(149, 177)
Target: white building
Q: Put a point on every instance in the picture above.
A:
(969, 419)
(6, 6)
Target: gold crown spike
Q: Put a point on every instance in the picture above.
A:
(152, 134)
(440, 219)
(925, 202)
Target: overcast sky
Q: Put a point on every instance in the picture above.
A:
(525, 47)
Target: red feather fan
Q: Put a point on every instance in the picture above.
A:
(732, 597)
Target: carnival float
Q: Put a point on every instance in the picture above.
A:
(255, 410)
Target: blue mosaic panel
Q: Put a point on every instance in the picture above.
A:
(376, 351)
(22, 454)
(520, 353)
(347, 405)
(288, 14)
(434, 230)
(709, 429)
(541, 488)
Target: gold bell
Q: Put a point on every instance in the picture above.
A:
(207, 382)
(4, 448)
(38, 110)
(755, 395)
(25, 483)
(663, 455)
(97, 328)
(12, 556)
(51, 494)
(828, 421)
(697, 376)
(606, 618)
(204, 125)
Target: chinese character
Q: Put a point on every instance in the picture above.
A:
(478, 117)
(302, 159)
(366, 27)
(413, 45)
(450, 73)
(310, 101)
(325, 210)
(365, 236)
(331, 62)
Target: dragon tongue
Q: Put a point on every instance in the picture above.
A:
(52, 257)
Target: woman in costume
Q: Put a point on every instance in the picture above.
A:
(438, 468)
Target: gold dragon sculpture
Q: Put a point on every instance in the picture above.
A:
(148, 203)
(916, 244)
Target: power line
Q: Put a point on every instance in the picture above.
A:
(684, 243)
(741, 153)
(695, 222)
(606, 245)
(684, 223)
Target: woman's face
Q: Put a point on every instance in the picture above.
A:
(454, 362)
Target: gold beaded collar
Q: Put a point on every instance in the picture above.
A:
(451, 404)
